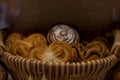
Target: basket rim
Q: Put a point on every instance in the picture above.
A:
(112, 57)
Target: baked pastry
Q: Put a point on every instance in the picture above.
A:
(57, 51)
(37, 52)
(20, 48)
(77, 52)
(12, 39)
(62, 51)
(95, 50)
(36, 39)
(63, 32)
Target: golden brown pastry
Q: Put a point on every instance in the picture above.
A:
(63, 32)
(12, 39)
(62, 51)
(56, 52)
(37, 52)
(77, 52)
(20, 48)
(36, 39)
(95, 49)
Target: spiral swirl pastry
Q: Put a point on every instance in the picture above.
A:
(12, 39)
(56, 52)
(63, 33)
(20, 48)
(77, 52)
(62, 51)
(102, 40)
(37, 52)
(36, 39)
(95, 50)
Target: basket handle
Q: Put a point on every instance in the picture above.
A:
(2, 45)
(116, 45)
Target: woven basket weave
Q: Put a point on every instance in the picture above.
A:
(28, 69)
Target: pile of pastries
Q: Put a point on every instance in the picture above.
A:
(62, 44)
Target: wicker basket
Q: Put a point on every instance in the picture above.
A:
(28, 69)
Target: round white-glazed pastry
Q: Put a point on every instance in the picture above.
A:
(63, 32)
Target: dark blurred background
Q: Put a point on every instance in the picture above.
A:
(89, 17)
